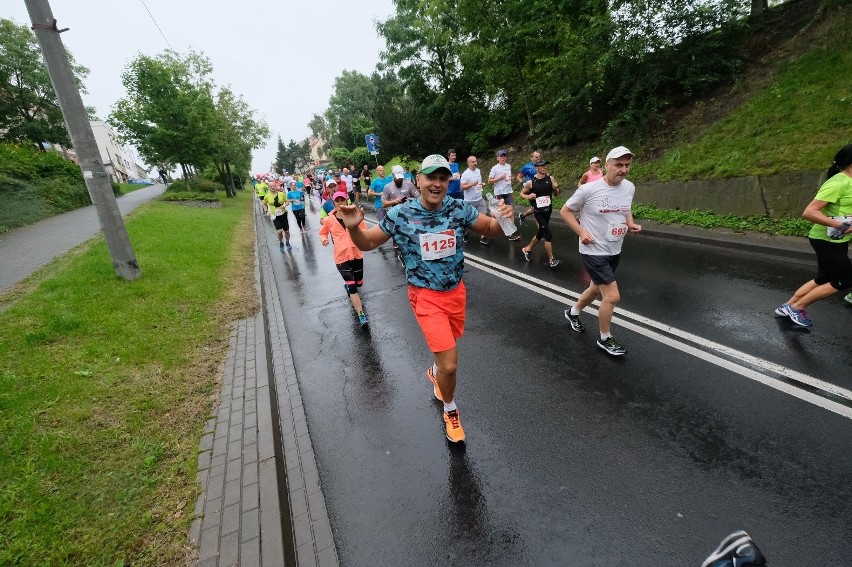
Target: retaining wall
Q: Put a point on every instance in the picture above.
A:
(779, 196)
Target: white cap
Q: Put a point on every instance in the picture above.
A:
(398, 172)
(618, 152)
(594, 159)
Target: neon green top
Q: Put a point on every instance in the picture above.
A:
(837, 192)
(262, 189)
(278, 209)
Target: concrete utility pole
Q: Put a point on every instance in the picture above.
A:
(77, 121)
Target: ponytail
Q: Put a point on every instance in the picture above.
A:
(842, 160)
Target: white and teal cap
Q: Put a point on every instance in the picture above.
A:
(434, 163)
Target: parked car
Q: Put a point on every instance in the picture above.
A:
(141, 181)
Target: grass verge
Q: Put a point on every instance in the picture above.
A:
(105, 386)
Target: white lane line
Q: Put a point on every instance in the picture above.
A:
(817, 400)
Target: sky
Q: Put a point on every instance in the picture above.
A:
(281, 55)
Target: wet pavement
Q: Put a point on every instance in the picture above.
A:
(720, 417)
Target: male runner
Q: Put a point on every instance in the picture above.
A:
(501, 177)
(540, 191)
(350, 188)
(471, 184)
(274, 204)
(454, 190)
(376, 189)
(429, 231)
(605, 221)
(399, 190)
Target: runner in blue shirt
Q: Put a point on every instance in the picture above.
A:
(376, 188)
(297, 204)
(454, 190)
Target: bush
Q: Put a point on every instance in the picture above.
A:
(196, 185)
(708, 219)
(62, 194)
(206, 186)
(25, 162)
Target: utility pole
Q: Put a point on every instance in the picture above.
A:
(77, 121)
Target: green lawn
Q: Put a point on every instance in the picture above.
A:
(105, 386)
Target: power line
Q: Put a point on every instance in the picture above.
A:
(157, 25)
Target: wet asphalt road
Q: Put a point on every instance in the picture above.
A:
(575, 457)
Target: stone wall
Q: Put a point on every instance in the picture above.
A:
(779, 196)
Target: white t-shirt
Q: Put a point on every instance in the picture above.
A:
(504, 186)
(348, 180)
(604, 214)
(473, 193)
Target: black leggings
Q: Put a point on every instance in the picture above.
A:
(352, 272)
(542, 217)
(300, 217)
(833, 265)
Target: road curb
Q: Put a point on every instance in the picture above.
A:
(302, 501)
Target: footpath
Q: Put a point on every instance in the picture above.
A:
(260, 501)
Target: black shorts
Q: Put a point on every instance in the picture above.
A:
(833, 265)
(281, 222)
(601, 268)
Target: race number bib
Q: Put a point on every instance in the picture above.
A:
(616, 231)
(542, 202)
(437, 245)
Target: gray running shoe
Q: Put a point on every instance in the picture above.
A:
(555, 262)
(798, 316)
(576, 324)
(612, 346)
(848, 298)
(782, 310)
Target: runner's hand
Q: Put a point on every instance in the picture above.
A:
(586, 237)
(635, 228)
(351, 215)
(506, 211)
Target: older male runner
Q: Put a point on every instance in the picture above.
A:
(606, 218)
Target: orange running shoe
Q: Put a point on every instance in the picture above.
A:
(455, 433)
(435, 388)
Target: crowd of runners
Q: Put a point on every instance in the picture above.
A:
(427, 216)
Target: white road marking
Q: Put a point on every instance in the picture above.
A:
(699, 347)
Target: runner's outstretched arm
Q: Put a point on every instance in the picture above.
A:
(352, 216)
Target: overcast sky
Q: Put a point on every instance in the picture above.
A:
(281, 55)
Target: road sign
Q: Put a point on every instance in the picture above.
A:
(372, 142)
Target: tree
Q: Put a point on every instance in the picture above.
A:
(295, 156)
(29, 111)
(169, 112)
(238, 133)
(351, 104)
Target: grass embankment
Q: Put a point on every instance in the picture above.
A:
(105, 386)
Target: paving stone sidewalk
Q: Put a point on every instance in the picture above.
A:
(261, 502)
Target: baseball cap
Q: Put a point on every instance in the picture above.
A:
(594, 159)
(541, 162)
(339, 195)
(501, 153)
(433, 163)
(398, 172)
(618, 152)
(331, 182)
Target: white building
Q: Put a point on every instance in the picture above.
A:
(120, 162)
